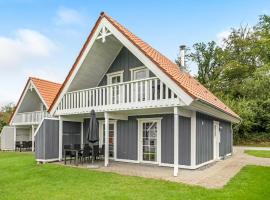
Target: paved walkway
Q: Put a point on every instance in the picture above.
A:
(214, 176)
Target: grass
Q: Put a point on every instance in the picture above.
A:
(21, 178)
(258, 153)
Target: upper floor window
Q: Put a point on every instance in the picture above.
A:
(115, 77)
(139, 73)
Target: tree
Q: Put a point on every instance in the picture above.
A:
(239, 74)
(5, 114)
(207, 57)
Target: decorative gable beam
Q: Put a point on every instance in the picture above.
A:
(104, 32)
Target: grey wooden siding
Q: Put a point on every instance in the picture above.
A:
(71, 132)
(167, 131)
(47, 140)
(40, 142)
(127, 139)
(184, 141)
(225, 146)
(167, 138)
(124, 61)
(204, 138)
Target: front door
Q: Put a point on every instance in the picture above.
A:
(112, 138)
(149, 141)
(216, 140)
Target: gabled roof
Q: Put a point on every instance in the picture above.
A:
(46, 89)
(185, 81)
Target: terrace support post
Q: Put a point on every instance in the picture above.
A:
(176, 136)
(15, 138)
(33, 137)
(82, 135)
(193, 139)
(106, 156)
(60, 138)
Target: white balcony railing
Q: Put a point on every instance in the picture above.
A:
(146, 93)
(30, 117)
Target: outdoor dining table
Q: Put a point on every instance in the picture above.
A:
(76, 151)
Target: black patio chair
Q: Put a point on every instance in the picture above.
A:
(24, 145)
(102, 151)
(70, 154)
(29, 145)
(18, 145)
(85, 154)
(95, 153)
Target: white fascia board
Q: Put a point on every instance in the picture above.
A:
(187, 99)
(210, 110)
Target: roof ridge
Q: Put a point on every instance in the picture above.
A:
(31, 77)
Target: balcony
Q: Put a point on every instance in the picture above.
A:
(139, 94)
(29, 118)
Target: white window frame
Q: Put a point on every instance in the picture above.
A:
(115, 74)
(140, 122)
(137, 69)
(101, 124)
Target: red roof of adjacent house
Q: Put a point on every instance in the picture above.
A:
(188, 83)
(47, 89)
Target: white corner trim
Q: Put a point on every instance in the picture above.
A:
(176, 141)
(193, 138)
(47, 160)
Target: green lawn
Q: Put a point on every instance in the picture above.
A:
(21, 178)
(258, 153)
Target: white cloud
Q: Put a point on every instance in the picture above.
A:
(221, 36)
(23, 55)
(26, 46)
(67, 16)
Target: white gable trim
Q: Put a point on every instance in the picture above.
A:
(132, 48)
(29, 84)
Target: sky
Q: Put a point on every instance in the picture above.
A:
(43, 38)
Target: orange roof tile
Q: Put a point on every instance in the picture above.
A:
(47, 89)
(188, 83)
